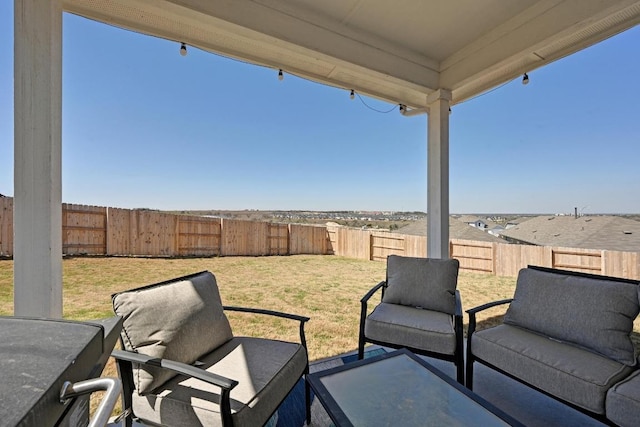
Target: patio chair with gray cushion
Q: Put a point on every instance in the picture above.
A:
(181, 365)
(420, 310)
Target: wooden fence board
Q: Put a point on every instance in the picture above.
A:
(84, 230)
(585, 260)
(278, 235)
(473, 255)
(305, 239)
(385, 244)
(6, 226)
(244, 238)
(199, 236)
(153, 233)
(118, 231)
(621, 264)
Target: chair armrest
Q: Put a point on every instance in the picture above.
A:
(178, 367)
(473, 311)
(301, 319)
(267, 312)
(372, 291)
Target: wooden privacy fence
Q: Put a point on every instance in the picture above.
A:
(94, 230)
(97, 230)
(501, 259)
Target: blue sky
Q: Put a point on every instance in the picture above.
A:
(144, 127)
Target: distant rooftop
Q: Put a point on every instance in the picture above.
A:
(606, 232)
(457, 230)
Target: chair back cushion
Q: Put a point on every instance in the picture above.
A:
(594, 312)
(422, 282)
(180, 319)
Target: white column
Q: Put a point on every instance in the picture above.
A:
(37, 161)
(438, 174)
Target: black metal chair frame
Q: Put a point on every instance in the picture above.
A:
(457, 358)
(125, 359)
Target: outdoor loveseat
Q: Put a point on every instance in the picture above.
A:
(567, 335)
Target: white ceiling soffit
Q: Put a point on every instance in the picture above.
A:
(399, 51)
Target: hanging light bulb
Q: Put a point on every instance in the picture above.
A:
(183, 50)
(353, 94)
(525, 79)
(280, 75)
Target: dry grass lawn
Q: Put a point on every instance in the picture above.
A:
(325, 288)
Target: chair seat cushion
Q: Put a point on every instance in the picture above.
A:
(411, 327)
(623, 401)
(266, 370)
(572, 373)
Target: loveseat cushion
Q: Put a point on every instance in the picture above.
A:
(623, 402)
(192, 318)
(265, 370)
(422, 282)
(593, 312)
(407, 326)
(567, 371)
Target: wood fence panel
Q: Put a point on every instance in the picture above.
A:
(308, 239)
(585, 260)
(199, 236)
(385, 244)
(244, 238)
(118, 231)
(353, 243)
(621, 264)
(332, 233)
(6, 226)
(153, 233)
(84, 230)
(473, 255)
(278, 238)
(510, 258)
(415, 246)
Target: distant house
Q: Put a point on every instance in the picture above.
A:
(606, 232)
(477, 222)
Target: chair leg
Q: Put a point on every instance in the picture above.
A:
(361, 347)
(469, 380)
(307, 396)
(460, 368)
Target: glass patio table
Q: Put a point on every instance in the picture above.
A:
(400, 389)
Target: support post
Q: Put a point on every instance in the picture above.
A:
(438, 174)
(37, 158)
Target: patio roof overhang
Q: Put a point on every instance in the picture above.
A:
(398, 51)
(426, 55)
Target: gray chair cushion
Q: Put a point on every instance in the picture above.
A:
(193, 323)
(569, 372)
(422, 282)
(265, 369)
(407, 326)
(595, 313)
(623, 402)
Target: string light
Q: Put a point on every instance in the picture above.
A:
(525, 79)
(280, 75)
(183, 50)
(352, 95)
